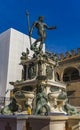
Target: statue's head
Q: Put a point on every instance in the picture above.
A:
(41, 18)
(41, 88)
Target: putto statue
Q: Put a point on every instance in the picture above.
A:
(41, 28)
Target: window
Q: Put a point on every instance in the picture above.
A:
(70, 74)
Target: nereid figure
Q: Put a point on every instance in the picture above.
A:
(41, 102)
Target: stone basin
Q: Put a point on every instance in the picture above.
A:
(54, 94)
(28, 94)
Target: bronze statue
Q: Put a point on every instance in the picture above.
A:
(41, 102)
(11, 108)
(71, 110)
(41, 27)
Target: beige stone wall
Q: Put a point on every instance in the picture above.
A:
(75, 97)
(71, 59)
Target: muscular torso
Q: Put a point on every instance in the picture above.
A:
(40, 26)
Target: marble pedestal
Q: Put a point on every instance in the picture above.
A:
(26, 122)
(13, 122)
(47, 122)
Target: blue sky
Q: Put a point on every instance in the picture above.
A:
(65, 14)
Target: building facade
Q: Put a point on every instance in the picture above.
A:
(68, 71)
(12, 44)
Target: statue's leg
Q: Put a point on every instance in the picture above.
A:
(34, 45)
(42, 40)
(37, 109)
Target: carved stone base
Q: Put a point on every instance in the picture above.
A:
(48, 122)
(16, 122)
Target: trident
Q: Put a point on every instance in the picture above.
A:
(28, 19)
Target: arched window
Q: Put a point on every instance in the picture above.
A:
(70, 74)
